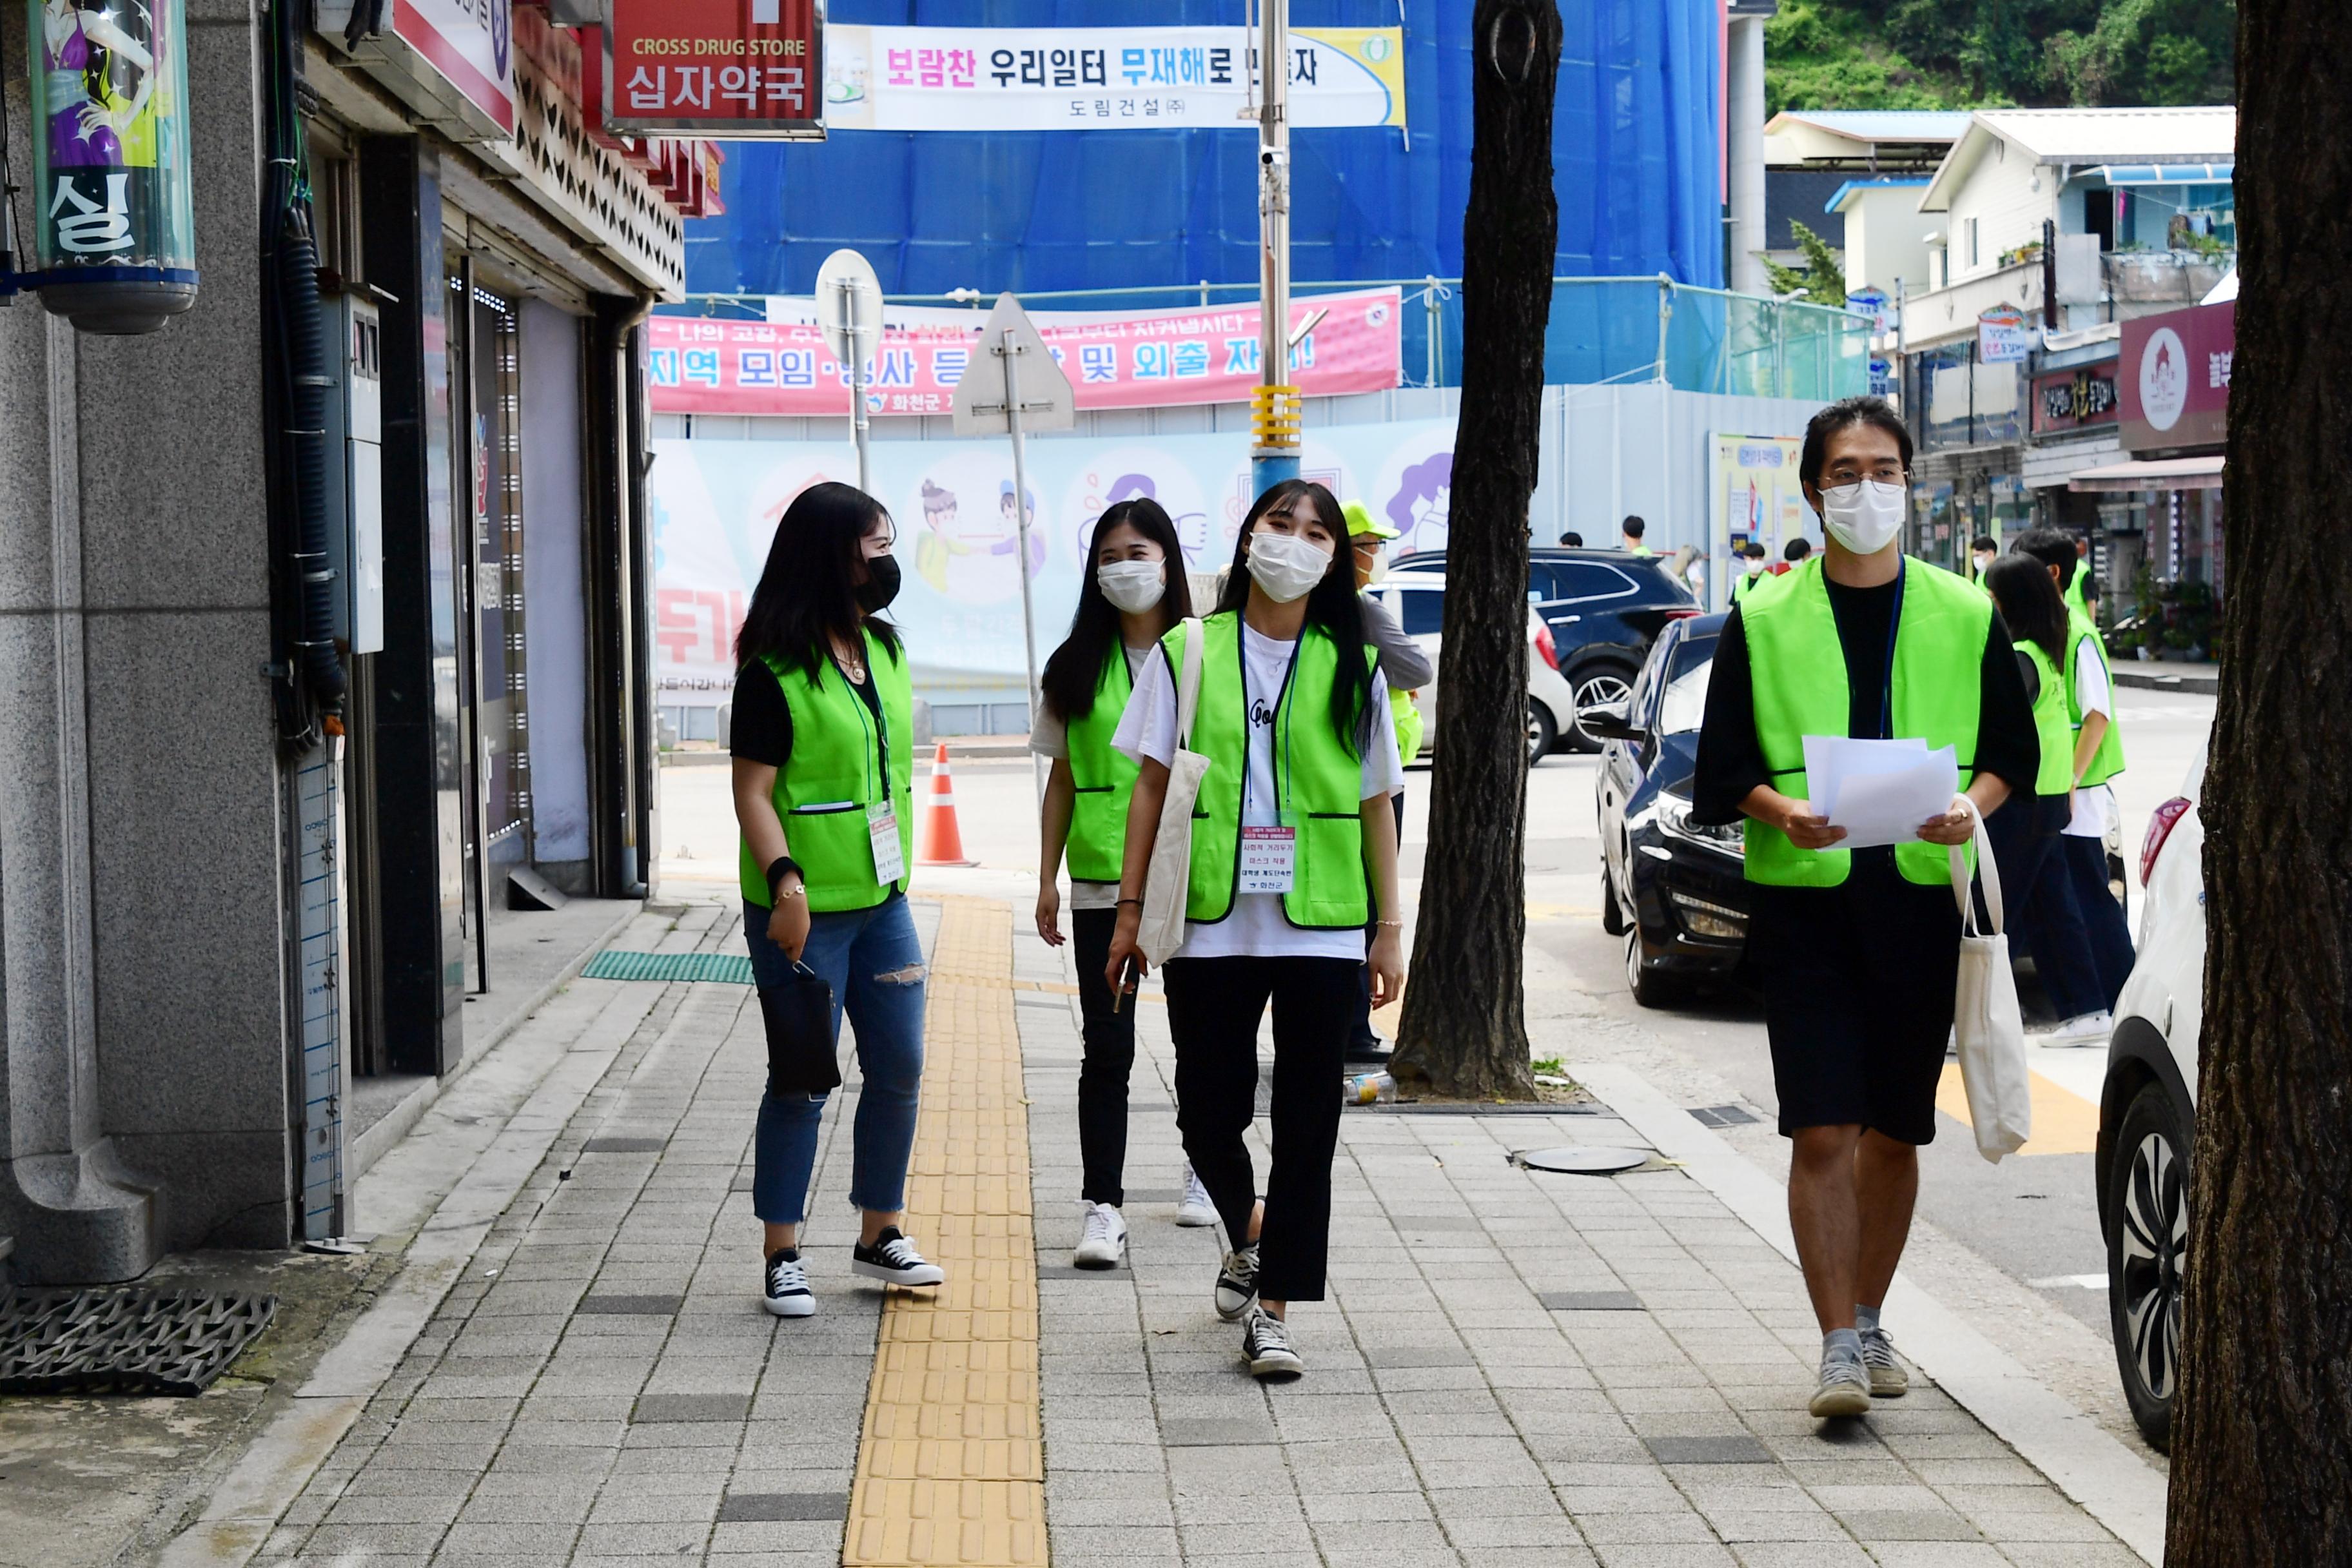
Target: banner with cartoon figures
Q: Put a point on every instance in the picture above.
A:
(716, 506)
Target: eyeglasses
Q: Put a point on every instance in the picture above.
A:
(1885, 476)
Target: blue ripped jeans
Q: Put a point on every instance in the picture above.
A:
(874, 961)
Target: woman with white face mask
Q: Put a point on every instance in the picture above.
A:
(1294, 848)
(1858, 951)
(1135, 591)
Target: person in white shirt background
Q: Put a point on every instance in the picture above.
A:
(1294, 847)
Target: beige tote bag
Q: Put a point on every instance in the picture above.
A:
(1986, 1021)
(1168, 879)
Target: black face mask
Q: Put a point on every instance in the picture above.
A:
(881, 584)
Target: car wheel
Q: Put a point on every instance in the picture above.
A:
(1613, 913)
(1594, 684)
(1650, 988)
(2147, 1245)
(1543, 732)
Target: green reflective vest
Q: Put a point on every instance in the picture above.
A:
(1799, 674)
(1319, 781)
(2055, 776)
(2108, 760)
(841, 764)
(1406, 712)
(1746, 583)
(1103, 778)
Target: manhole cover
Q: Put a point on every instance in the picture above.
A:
(123, 1342)
(1584, 1158)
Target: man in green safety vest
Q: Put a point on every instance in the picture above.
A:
(1407, 669)
(1752, 575)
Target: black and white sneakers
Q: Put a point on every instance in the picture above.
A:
(1237, 1283)
(787, 1294)
(1103, 1243)
(1266, 1345)
(894, 1261)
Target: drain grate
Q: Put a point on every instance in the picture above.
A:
(727, 968)
(123, 1342)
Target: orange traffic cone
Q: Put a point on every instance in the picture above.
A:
(937, 841)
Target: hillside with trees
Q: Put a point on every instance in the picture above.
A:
(1975, 54)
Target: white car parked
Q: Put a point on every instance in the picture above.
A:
(1417, 599)
(2147, 1111)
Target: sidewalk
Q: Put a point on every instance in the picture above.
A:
(1514, 1368)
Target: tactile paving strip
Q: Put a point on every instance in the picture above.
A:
(950, 1468)
(123, 1342)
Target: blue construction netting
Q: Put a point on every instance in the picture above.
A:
(1635, 150)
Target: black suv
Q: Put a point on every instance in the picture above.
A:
(1604, 607)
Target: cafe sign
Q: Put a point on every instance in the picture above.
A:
(2173, 378)
(2082, 399)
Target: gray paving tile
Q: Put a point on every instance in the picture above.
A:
(1890, 1524)
(665, 1408)
(1589, 1300)
(1215, 1432)
(1707, 1450)
(742, 1508)
(629, 1306)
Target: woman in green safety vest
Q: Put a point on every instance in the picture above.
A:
(1293, 846)
(822, 737)
(2028, 831)
(1135, 591)
(1857, 950)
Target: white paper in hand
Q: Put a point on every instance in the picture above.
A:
(1881, 791)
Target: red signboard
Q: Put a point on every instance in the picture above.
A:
(1145, 359)
(744, 70)
(2082, 399)
(2174, 377)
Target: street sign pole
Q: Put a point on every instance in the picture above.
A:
(1009, 349)
(857, 428)
(1029, 393)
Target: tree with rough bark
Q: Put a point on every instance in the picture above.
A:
(1464, 1031)
(2262, 1417)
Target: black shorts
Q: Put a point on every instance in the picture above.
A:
(1858, 981)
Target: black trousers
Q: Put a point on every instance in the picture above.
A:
(1109, 1058)
(1213, 1008)
(1360, 1037)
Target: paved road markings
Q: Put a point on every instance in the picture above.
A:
(950, 1468)
(2064, 1121)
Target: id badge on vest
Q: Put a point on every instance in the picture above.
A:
(882, 826)
(1269, 859)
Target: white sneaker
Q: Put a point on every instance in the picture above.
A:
(1194, 1209)
(1103, 1242)
(2087, 1030)
(1237, 1283)
(894, 1261)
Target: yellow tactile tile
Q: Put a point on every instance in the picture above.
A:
(950, 1468)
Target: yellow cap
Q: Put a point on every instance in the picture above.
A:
(1360, 521)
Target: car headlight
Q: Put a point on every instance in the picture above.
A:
(1675, 819)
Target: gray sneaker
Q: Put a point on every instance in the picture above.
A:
(1237, 1283)
(1844, 1389)
(1888, 1377)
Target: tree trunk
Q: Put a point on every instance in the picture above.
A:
(1465, 1028)
(2262, 1466)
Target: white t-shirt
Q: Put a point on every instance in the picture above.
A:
(2093, 694)
(1050, 737)
(1256, 927)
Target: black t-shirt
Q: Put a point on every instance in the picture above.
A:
(762, 727)
(1731, 760)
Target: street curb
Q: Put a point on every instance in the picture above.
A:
(247, 1504)
(2079, 1457)
(2206, 683)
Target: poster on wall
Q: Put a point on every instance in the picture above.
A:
(716, 506)
(1755, 493)
(1115, 359)
(1101, 79)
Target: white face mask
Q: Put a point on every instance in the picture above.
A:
(1984, 563)
(1133, 587)
(1863, 516)
(1285, 566)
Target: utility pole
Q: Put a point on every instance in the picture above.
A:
(1274, 409)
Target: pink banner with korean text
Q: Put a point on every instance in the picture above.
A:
(1127, 359)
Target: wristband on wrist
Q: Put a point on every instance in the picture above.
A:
(1137, 902)
(778, 868)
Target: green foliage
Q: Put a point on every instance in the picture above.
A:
(1823, 280)
(1978, 54)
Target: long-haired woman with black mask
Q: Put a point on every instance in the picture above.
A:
(824, 795)
(1133, 594)
(1293, 846)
